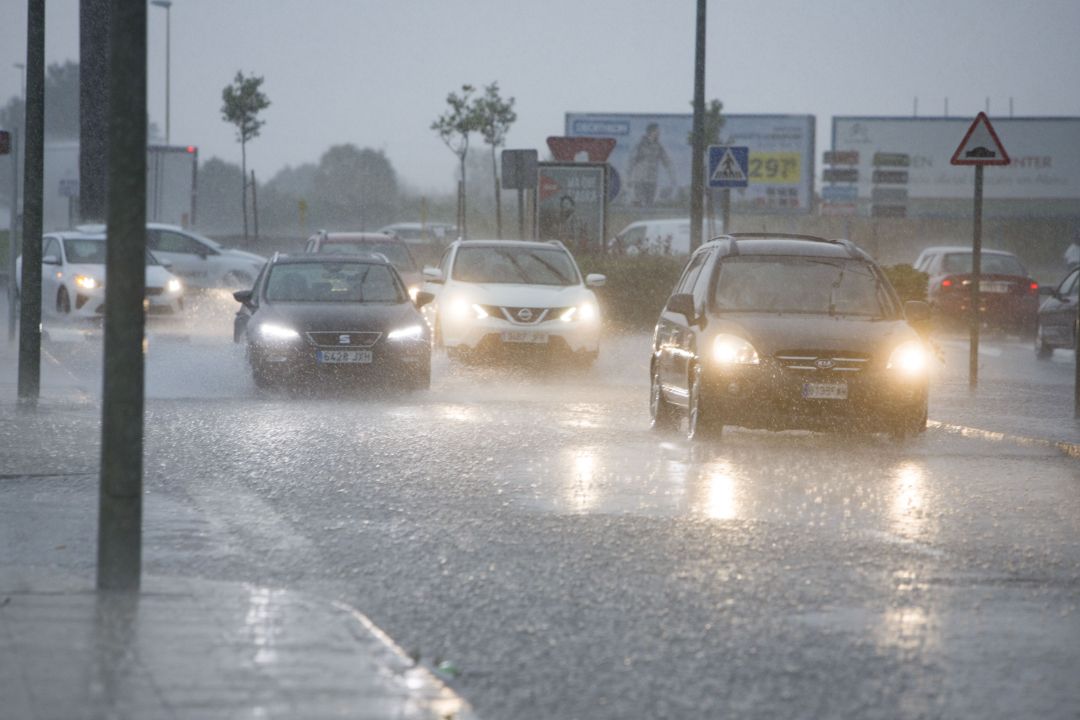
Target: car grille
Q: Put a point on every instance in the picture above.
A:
(822, 361)
(343, 338)
(524, 315)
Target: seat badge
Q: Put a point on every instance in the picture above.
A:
(344, 339)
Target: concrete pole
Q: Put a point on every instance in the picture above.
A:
(33, 200)
(697, 165)
(976, 280)
(120, 516)
(93, 108)
(13, 234)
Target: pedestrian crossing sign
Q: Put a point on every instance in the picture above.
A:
(729, 166)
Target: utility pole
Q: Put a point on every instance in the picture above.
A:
(121, 490)
(93, 108)
(33, 199)
(697, 165)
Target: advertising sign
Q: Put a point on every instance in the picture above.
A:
(652, 158)
(1045, 156)
(570, 204)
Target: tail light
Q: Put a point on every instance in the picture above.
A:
(947, 283)
(1033, 288)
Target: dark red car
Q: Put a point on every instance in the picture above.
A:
(1008, 297)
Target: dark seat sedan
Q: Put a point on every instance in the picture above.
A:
(1057, 317)
(312, 317)
(788, 332)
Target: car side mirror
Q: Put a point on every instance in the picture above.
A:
(916, 312)
(595, 280)
(423, 298)
(244, 297)
(433, 275)
(50, 260)
(683, 304)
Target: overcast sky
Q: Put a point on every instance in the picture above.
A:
(376, 73)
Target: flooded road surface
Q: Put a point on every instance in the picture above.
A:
(528, 527)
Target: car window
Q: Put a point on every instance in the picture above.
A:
(51, 247)
(333, 282)
(782, 284)
(1070, 285)
(397, 253)
(690, 274)
(81, 251)
(991, 263)
(165, 241)
(518, 265)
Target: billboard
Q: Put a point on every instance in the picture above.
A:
(570, 204)
(1045, 156)
(652, 157)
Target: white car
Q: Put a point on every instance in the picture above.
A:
(199, 261)
(494, 295)
(73, 278)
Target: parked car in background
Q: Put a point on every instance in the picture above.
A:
(788, 332)
(391, 247)
(333, 317)
(513, 296)
(1057, 324)
(657, 237)
(1008, 296)
(201, 262)
(73, 278)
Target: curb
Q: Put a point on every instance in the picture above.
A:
(1066, 448)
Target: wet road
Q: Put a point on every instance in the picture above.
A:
(528, 528)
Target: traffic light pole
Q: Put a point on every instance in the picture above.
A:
(121, 490)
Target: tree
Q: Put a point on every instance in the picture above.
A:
(242, 101)
(354, 186)
(494, 116)
(454, 127)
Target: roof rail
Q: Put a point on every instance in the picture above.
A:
(782, 236)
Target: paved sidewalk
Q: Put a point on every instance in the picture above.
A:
(202, 650)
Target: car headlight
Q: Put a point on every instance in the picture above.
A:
(88, 283)
(909, 358)
(734, 350)
(270, 331)
(461, 309)
(586, 312)
(413, 290)
(411, 332)
(173, 286)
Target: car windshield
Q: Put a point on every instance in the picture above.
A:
(991, 263)
(515, 265)
(351, 282)
(810, 285)
(91, 251)
(396, 253)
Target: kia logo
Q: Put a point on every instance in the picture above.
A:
(823, 364)
(343, 339)
(524, 314)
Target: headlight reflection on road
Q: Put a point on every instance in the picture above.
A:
(907, 509)
(582, 492)
(719, 498)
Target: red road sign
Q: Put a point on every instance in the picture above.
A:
(566, 149)
(980, 145)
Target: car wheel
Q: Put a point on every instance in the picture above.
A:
(1042, 350)
(261, 377)
(702, 420)
(63, 302)
(910, 423)
(662, 413)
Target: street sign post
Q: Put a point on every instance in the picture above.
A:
(729, 166)
(519, 173)
(980, 147)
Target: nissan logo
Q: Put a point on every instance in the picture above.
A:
(343, 339)
(524, 314)
(824, 363)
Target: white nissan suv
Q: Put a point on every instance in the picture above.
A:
(509, 295)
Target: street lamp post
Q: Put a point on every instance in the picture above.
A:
(167, 4)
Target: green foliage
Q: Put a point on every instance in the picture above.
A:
(637, 287)
(714, 123)
(910, 283)
(354, 188)
(494, 116)
(241, 103)
(460, 120)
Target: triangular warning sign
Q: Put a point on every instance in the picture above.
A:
(728, 169)
(980, 145)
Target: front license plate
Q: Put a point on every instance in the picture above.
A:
(343, 356)
(824, 391)
(522, 336)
